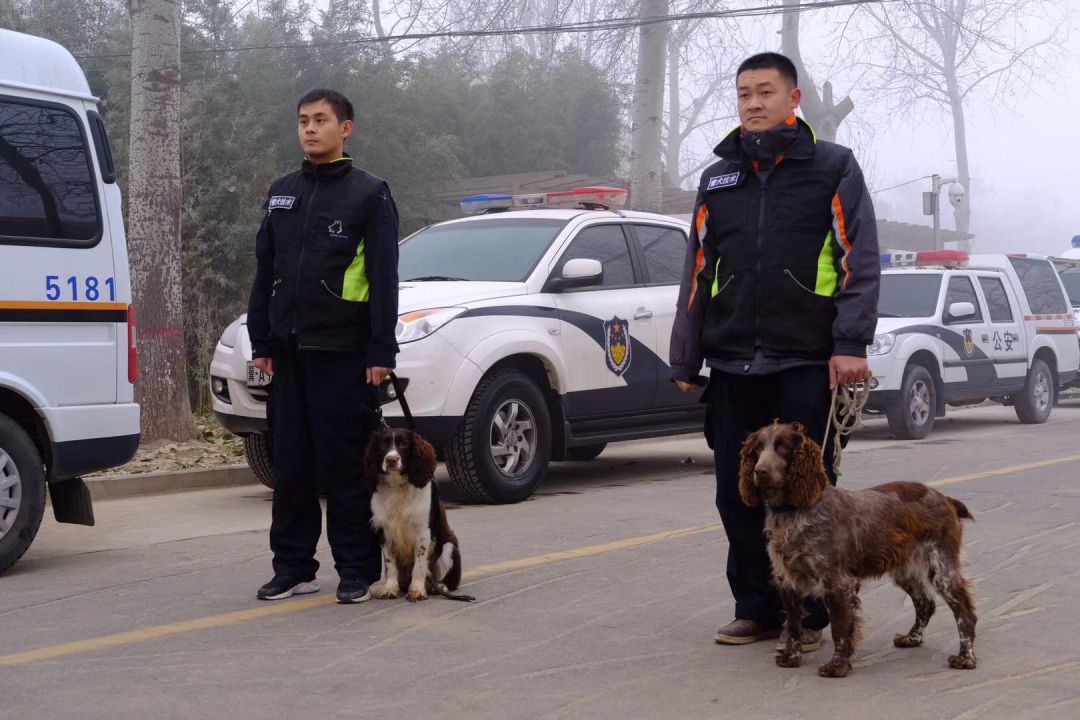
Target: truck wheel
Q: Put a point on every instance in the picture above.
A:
(911, 415)
(502, 448)
(1034, 403)
(259, 452)
(22, 492)
(585, 452)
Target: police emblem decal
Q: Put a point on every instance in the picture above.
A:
(969, 343)
(617, 345)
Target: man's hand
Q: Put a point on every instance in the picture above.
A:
(687, 386)
(846, 369)
(375, 375)
(264, 364)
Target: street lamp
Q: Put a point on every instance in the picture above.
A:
(932, 201)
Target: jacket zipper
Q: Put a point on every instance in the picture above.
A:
(300, 262)
(796, 280)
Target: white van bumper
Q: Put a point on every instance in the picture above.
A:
(88, 438)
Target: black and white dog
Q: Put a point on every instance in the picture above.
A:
(418, 546)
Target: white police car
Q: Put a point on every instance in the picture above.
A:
(957, 330)
(526, 336)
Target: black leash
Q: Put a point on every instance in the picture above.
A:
(433, 588)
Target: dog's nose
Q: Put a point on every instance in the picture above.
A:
(761, 473)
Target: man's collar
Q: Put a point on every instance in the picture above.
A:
(802, 148)
(334, 168)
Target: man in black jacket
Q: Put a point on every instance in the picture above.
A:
(779, 298)
(321, 318)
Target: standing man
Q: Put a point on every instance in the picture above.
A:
(779, 298)
(321, 318)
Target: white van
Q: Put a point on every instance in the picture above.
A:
(67, 343)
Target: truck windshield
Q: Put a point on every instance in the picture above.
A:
(502, 249)
(908, 294)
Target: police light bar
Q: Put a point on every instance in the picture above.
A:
(490, 202)
(589, 197)
(929, 258)
(1076, 241)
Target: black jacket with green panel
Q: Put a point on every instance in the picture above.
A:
(786, 266)
(327, 256)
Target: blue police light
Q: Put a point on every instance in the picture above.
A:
(1076, 241)
(490, 202)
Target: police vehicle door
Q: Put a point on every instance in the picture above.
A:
(62, 305)
(1008, 344)
(661, 249)
(969, 361)
(607, 330)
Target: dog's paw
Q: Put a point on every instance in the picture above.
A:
(962, 662)
(788, 660)
(384, 592)
(416, 595)
(907, 641)
(835, 668)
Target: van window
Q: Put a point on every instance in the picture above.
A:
(996, 299)
(47, 193)
(1040, 284)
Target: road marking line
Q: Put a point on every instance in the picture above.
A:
(1004, 471)
(161, 631)
(213, 621)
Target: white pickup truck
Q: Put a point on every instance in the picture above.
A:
(958, 330)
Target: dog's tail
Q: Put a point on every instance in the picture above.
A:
(961, 509)
(435, 588)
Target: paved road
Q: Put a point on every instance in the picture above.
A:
(598, 599)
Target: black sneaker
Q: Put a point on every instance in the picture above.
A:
(282, 587)
(350, 590)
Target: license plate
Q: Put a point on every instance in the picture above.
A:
(257, 377)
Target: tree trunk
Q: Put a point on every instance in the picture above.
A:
(962, 213)
(154, 204)
(647, 113)
(819, 110)
(673, 152)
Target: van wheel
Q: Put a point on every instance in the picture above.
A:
(502, 448)
(259, 453)
(1034, 403)
(911, 415)
(22, 492)
(585, 452)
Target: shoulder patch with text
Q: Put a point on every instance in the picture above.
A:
(723, 181)
(281, 202)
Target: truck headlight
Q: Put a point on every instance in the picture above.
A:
(419, 324)
(229, 337)
(882, 344)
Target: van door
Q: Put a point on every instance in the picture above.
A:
(1008, 344)
(60, 311)
(969, 368)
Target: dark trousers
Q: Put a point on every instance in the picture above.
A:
(322, 414)
(737, 406)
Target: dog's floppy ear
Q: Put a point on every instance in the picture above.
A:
(805, 479)
(748, 457)
(421, 465)
(372, 462)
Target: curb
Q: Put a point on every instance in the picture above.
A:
(114, 487)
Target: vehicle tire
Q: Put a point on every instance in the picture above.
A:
(1034, 403)
(22, 492)
(911, 416)
(485, 461)
(259, 452)
(585, 452)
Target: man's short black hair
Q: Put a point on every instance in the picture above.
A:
(341, 105)
(771, 61)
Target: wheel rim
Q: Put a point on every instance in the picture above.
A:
(10, 493)
(1041, 392)
(513, 438)
(919, 402)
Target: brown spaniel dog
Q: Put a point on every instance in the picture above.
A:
(824, 540)
(416, 539)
